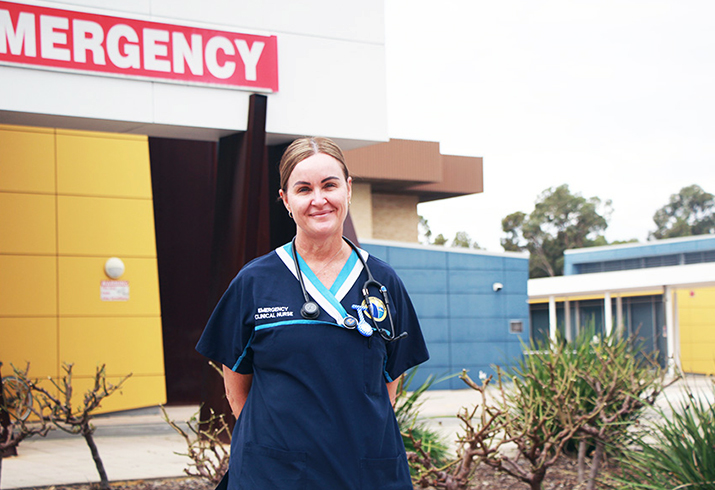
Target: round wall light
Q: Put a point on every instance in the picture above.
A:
(114, 267)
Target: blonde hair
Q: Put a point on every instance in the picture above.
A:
(303, 148)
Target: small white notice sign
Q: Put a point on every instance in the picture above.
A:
(114, 291)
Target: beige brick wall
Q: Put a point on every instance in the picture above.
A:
(394, 217)
(361, 210)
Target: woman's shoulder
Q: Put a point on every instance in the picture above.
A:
(258, 266)
(379, 266)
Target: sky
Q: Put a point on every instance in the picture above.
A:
(615, 98)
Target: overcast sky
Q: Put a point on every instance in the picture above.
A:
(615, 98)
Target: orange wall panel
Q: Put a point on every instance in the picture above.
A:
(28, 286)
(125, 345)
(105, 226)
(27, 224)
(69, 200)
(37, 345)
(135, 392)
(27, 159)
(80, 281)
(101, 164)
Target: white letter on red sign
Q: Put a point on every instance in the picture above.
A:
(49, 37)
(153, 48)
(250, 57)
(212, 47)
(192, 56)
(23, 35)
(130, 57)
(87, 36)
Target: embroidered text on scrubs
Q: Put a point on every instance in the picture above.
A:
(272, 312)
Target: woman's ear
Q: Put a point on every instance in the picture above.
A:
(284, 198)
(350, 188)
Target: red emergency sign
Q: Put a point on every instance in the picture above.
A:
(66, 40)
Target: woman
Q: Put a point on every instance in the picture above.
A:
(310, 368)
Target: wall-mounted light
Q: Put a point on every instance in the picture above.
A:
(497, 286)
(114, 267)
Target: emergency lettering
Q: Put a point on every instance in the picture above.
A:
(77, 41)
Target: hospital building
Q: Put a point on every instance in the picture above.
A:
(138, 151)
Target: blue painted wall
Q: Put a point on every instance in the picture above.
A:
(464, 321)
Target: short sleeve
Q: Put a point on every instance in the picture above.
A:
(228, 334)
(409, 351)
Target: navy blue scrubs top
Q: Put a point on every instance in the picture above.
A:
(318, 415)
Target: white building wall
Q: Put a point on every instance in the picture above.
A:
(331, 68)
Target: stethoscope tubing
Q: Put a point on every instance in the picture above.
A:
(310, 309)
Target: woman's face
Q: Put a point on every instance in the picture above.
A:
(317, 194)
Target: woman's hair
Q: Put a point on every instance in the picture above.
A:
(303, 148)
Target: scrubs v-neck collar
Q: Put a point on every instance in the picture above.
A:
(328, 299)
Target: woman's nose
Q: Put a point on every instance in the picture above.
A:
(319, 198)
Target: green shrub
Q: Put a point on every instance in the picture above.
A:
(676, 450)
(586, 394)
(413, 429)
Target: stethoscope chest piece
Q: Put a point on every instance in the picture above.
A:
(310, 310)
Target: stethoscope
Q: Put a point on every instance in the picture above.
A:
(311, 311)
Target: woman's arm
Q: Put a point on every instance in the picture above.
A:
(392, 390)
(237, 388)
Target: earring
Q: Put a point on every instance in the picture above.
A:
(290, 215)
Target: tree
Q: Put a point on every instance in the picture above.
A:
(560, 221)
(689, 212)
(462, 239)
(424, 230)
(56, 408)
(439, 240)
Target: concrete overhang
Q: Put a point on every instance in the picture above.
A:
(679, 276)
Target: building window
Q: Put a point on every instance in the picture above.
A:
(645, 262)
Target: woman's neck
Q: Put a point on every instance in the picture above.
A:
(318, 250)
(325, 258)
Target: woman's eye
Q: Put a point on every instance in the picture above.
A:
(302, 189)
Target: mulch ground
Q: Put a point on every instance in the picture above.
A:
(564, 475)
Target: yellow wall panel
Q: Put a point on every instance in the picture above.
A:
(703, 351)
(69, 200)
(696, 320)
(136, 392)
(80, 281)
(699, 298)
(32, 340)
(700, 366)
(97, 164)
(27, 224)
(104, 226)
(702, 316)
(28, 286)
(125, 345)
(27, 159)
